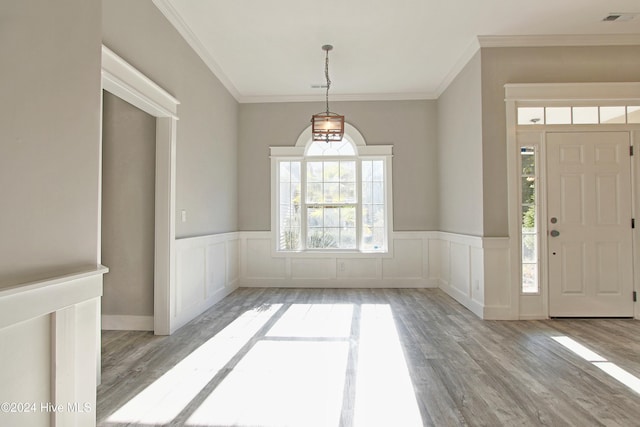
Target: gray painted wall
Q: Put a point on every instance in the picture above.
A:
(128, 209)
(409, 125)
(534, 65)
(460, 152)
(206, 183)
(50, 121)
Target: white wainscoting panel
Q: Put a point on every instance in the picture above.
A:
(406, 265)
(258, 262)
(471, 269)
(408, 262)
(312, 269)
(206, 272)
(49, 330)
(191, 276)
(500, 303)
(233, 265)
(445, 262)
(434, 260)
(458, 264)
(217, 271)
(350, 269)
(460, 268)
(475, 272)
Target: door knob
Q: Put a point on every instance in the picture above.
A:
(555, 233)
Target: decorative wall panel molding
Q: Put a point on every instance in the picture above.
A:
(206, 272)
(458, 264)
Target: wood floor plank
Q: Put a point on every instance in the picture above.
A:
(463, 371)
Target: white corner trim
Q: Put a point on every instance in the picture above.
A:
(129, 84)
(172, 15)
(462, 62)
(560, 40)
(127, 323)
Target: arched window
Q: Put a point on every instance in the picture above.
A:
(331, 196)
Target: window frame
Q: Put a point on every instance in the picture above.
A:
(536, 147)
(305, 205)
(362, 153)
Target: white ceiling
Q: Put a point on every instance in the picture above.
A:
(268, 51)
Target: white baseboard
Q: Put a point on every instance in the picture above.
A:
(127, 323)
(473, 306)
(498, 313)
(533, 317)
(338, 284)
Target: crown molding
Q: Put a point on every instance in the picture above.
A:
(172, 15)
(462, 62)
(560, 40)
(339, 97)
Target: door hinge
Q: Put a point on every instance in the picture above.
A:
(633, 223)
(631, 150)
(635, 296)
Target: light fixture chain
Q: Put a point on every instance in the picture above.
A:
(327, 126)
(326, 74)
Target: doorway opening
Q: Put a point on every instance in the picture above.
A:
(128, 210)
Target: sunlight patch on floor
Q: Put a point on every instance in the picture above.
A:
(579, 349)
(314, 321)
(280, 383)
(610, 368)
(166, 397)
(384, 391)
(295, 375)
(621, 375)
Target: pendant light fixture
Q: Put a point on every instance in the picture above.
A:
(327, 126)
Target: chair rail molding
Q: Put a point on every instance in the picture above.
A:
(51, 347)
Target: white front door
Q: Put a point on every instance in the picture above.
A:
(589, 214)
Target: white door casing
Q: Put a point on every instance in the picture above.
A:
(126, 82)
(589, 206)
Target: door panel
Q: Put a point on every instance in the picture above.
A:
(572, 189)
(572, 268)
(590, 245)
(608, 275)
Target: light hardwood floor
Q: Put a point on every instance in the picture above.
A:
(462, 370)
